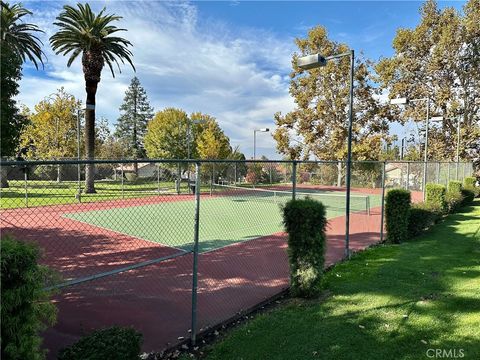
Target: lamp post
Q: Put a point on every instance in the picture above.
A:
(255, 140)
(315, 61)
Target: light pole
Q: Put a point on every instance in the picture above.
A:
(255, 140)
(404, 101)
(315, 61)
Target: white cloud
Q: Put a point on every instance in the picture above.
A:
(237, 75)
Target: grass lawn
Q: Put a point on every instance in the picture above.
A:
(389, 302)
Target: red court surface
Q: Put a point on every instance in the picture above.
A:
(156, 299)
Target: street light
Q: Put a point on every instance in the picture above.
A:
(314, 61)
(255, 140)
(404, 101)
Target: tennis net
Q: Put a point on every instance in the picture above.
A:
(334, 201)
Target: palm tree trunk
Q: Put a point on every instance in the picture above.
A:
(91, 88)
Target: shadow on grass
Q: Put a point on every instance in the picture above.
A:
(390, 302)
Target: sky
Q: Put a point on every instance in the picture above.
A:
(229, 59)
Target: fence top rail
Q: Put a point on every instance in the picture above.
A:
(207, 161)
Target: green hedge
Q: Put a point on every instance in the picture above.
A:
(305, 222)
(26, 308)
(421, 218)
(112, 343)
(468, 196)
(455, 186)
(435, 196)
(469, 182)
(454, 201)
(397, 214)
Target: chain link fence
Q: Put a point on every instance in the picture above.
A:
(177, 248)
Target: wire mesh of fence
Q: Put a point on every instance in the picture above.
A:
(177, 247)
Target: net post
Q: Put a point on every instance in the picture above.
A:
(195, 255)
(383, 201)
(294, 179)
(25, 176)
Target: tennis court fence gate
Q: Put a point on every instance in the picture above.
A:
(179, 247)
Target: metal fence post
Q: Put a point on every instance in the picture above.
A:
(408, 176)
(438, 172)
(121, 176)
(195, 254)
(158, 179)
(26, 185)
(424, 180)
(235, 174)
(383, 201)
(463, 178)
(294, 180)
(79, 175)
(448, 173)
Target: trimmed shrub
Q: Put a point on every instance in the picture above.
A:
(421, 218)
(469, 182)
(112, 343)
(454, 201)
(455, 186)
(397, 214)
(468, 196)
(435, 196)
(305, 222)
(26, 309)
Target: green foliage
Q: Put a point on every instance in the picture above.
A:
(52, 127)
(469, 183)
(435, 196)
(468, 196)
(25, 306)
(132, 123)
(454, 200)
(421, 218)
(397, 214)
(455, 186)
(305, 222)
(112, 343)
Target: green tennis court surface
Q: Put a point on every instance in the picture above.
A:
(224, 218)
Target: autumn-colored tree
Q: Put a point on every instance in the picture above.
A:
(321, 95)
(439, 59)
(52, 128)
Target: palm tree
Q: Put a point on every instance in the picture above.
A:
(18, 42)
(18, 37)
(83, 32)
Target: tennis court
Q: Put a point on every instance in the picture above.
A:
(227, 216)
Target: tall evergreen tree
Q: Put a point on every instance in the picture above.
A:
(132, 123)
